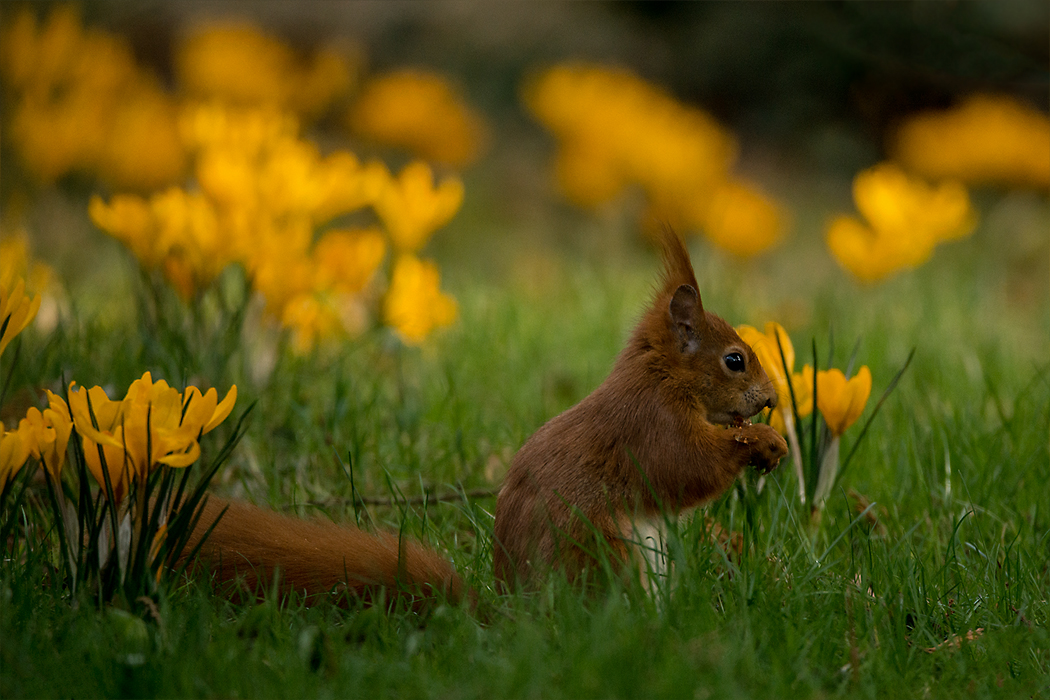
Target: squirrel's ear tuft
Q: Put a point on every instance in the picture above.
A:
(685, 310)
(678, 270)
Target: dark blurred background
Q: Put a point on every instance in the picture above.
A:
(820, 81)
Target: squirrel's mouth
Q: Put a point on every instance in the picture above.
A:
(730, 420)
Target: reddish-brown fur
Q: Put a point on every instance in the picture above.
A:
(251, 546)
(655, 436)
(652, 437)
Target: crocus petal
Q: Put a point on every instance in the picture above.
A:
(59, 418)
(802, 383)
(13, 454)
(114, 465)
(31, 430)
(183, 459)
(198, 409)
(167, 404)
(17, 311)
(860, 390)
(140, 389)
(137, 438)
(768, 350)
(167, 441)
(831, 386)
(840, 401)
(63, 426)
(107, 411)
(775, 331)
(78, 407)
(222, 410)
(749, 334)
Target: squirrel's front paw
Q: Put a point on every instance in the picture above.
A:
(767, 447)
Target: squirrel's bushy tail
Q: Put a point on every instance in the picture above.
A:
(252, 547)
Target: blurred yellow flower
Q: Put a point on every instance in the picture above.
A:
(615, 130)
(412, 207)
(587, 176)
(906, 219)
(742, 221)
(346, 184)
(79, 102)
(841, 401)
(415, 305)
(629, 131)
(142, 150)
(252, 163)
(173, 231)
(310, 318)
(321, 296)
(421, 112)
(16, 261)
(263, 193)
(16, 311)
(248, 130)
(154, 424)
(280, 273)
(237, 63)
(346, 261)
(988, 139)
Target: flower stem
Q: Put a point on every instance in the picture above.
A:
(796, 453)
(829, 467)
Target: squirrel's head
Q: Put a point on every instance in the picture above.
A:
(710, 361)
(698, 356)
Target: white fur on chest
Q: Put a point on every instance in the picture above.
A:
(650, 535)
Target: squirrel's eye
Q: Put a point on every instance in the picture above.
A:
(734, 361)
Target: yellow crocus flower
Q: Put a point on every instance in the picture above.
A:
(108, 437)
(741, 220)
(841, 401)
(13, 454)
(345, 184)
(176, 420)
(309, 318)
(422, 112)
(986, 139)
(347, 260)
(46, 433)
(174, 231)
(236, 62)
(615, 129)
(892, 201)
(905, 219)
(154, 424)
(17, 261)
(16, 311)
(78, 101)
(414, 304)
(775, 352)
(413, 207)
(802, 383)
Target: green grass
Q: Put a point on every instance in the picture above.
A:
(957, 463)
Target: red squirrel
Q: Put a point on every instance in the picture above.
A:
(667, 430)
